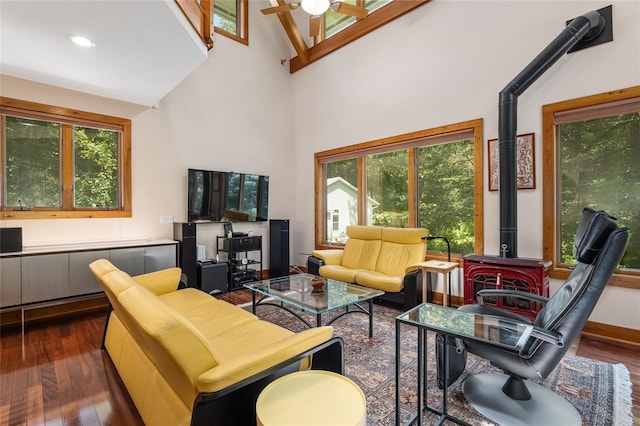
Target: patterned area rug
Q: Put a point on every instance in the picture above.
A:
(600, 392)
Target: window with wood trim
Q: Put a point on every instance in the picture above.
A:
(431, 179)
(63, 163)
(231, 19)
(343, 33)
(591, 148)
(336, 22)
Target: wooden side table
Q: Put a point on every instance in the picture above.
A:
(439, 267)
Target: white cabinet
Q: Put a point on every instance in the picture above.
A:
(130, 260)
(159, 257)
(10, 282)
(81, 280)
(45, 277)
(59, 273)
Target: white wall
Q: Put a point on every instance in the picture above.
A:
(446, 62)
(234, 113)
(443, 63)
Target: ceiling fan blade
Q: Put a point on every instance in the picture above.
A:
(280, 8)
(314, 26)
(349, 9)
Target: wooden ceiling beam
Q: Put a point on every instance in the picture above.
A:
(353, 32)
(293, 32)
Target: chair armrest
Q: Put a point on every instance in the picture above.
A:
(548, 336)
(329, 256)
(504, 293)
(160, 282)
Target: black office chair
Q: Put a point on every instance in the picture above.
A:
(510, 398)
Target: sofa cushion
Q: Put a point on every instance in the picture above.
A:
(361, 232)
(160, 282)
(362, 248)
(259, 353)
(379, 281)
(113, 284)
(248, 337)
(339, 273)
(209, 315)
(401, 247)
(405, 236)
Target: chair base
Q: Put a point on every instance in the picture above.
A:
(484, 393)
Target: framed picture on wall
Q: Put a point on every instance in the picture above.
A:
(526, 162)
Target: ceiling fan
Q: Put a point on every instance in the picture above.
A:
(317, 8)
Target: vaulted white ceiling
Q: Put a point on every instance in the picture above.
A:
(144, 48)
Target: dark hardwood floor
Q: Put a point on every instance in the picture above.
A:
(62, 376)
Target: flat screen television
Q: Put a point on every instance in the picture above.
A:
(227, 196)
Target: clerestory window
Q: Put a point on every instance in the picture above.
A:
(62, 163)
(231, 19)
(336, 22)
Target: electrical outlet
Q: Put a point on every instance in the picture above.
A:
(166, 219)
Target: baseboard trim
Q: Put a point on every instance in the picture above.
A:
(611, 333)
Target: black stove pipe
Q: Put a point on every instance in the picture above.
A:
(508, 118)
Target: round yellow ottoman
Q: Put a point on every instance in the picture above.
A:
(311, 397)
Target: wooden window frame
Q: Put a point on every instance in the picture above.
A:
(404, 141)
(242, 22)
(70, 117)
(360, 28)
(621, 278)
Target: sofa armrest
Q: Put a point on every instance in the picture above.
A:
(411, 268)
(236, 403)
(230, 373)
(313, 265)
(160, 282)
(413, 289)
(329, 256)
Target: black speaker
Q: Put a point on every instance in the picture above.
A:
(278, 247)
(212, 277)
(10, 240)
(186, 234)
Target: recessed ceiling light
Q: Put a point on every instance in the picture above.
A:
(81, 40)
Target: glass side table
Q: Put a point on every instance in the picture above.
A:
(457, 324)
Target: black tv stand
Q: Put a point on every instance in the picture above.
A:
(237, 251)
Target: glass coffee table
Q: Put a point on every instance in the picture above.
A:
(315, 295)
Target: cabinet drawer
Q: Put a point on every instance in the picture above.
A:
(45, 277)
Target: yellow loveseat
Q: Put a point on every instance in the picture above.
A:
(186, 357)
(378, 257)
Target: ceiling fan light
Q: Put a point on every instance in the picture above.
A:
(315, 7)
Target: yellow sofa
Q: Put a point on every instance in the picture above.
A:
(186, 357)
(378, 257)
